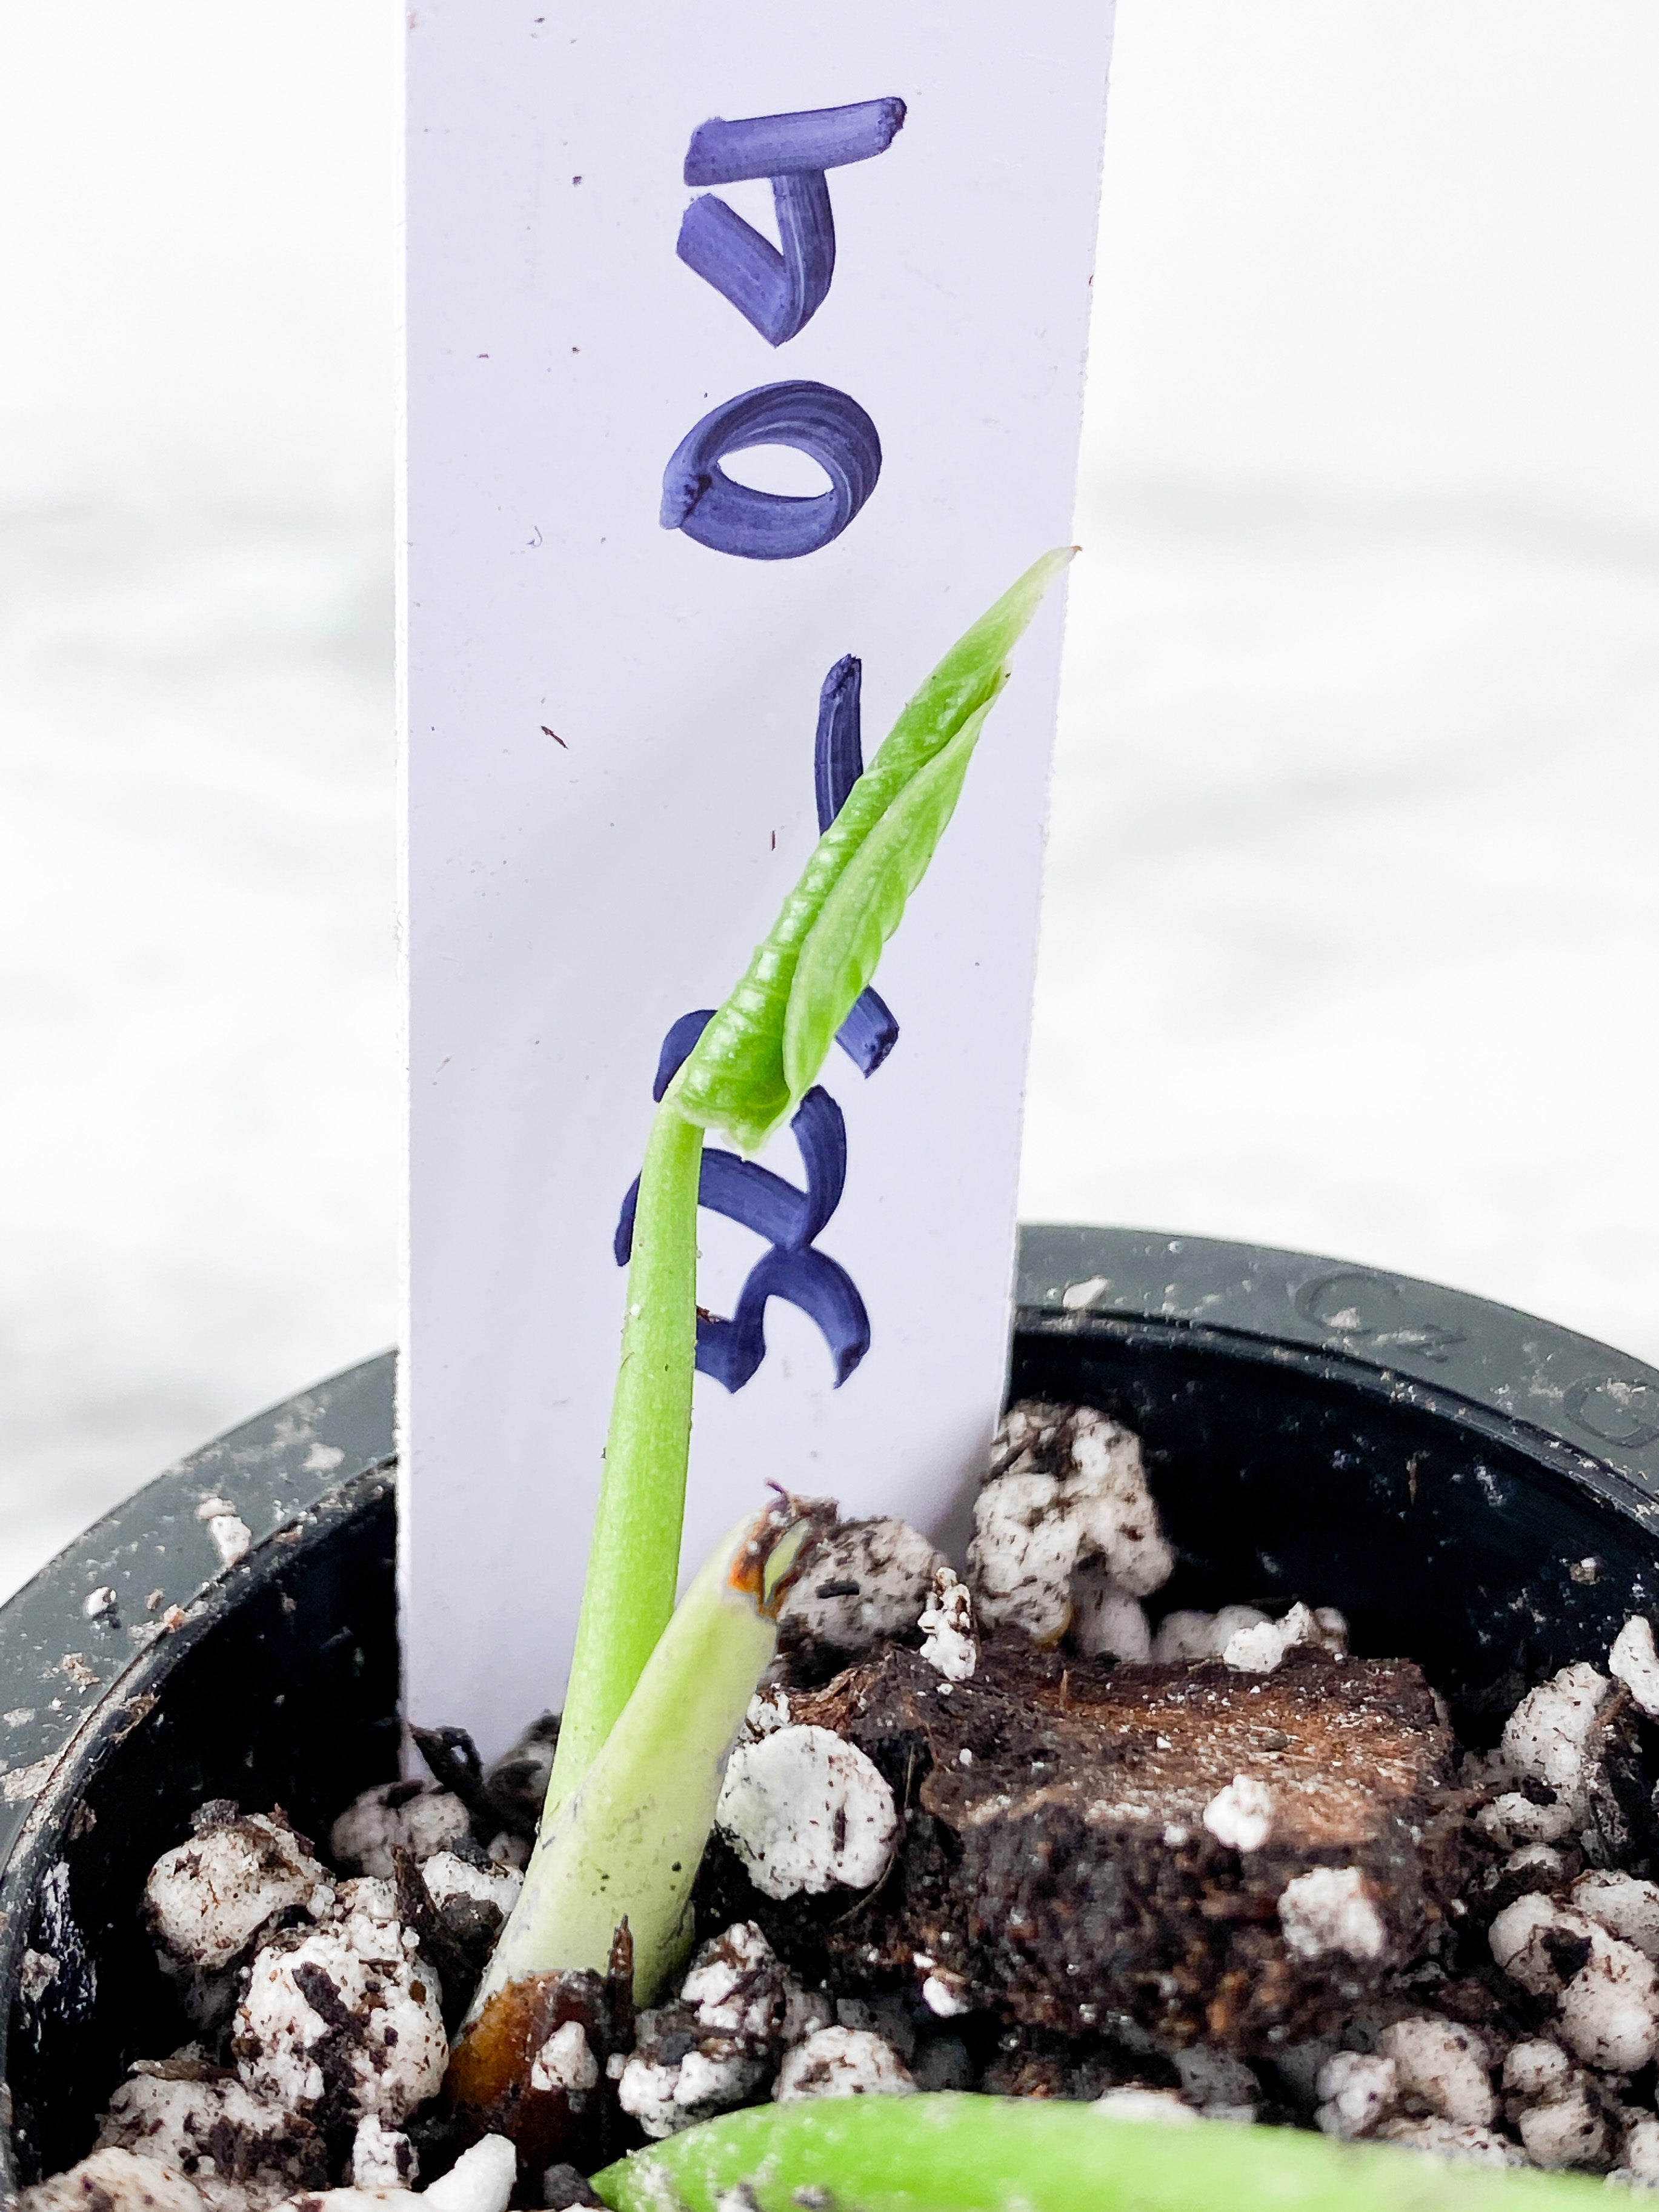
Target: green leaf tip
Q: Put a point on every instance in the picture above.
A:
(957, 2152)
(764, 1048)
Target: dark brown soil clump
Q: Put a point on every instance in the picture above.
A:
(1056, 1869)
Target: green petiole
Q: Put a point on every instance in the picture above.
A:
(960, 2153)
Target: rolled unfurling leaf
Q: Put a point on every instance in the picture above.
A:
(867, 904)
(957, 2152)
(736, 1078)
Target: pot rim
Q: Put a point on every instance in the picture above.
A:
(1589, 1410)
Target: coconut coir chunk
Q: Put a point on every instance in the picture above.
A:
(1057, 1868)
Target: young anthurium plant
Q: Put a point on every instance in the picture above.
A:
(748, 1071)
(655, 1698)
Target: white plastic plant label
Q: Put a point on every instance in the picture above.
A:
(745, 352)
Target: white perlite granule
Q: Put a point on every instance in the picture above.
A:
(943, 1998)
(1107, 1622)
(177, 2110)
(382, 2157)
(843, 2061)
(947, 1625)
(566, 2062)
(112, 2181)
(666, 2096)
(418, 1816)
(1241, 1815)
(1633, 1661)
(447, 1877)
(869, 1579)
(806, 1810)
(1330, 1909)
(1641, 2165)
(1451, 2140)
(1035, 1524)
(1533, 2069)
(1608, 2006)
(232, 1537)
(1186, 1635)
(1356, 2089)
(739, 1986)
(1609, 2014)
(1521, 1939)
(1564, 2127)
(206, 1900)
(716, 2047)
(1259, 1649)
(1024, 1549)
(1512, 1819)
(376, 2014)
(1130, 2103)
(1548, 1861)
(481, 2180)
(1623, 1904)
(768, 1710)
(733, 1984)
(1546, 1737)
(1446, 2067)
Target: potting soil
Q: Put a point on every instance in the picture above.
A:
(1008, 1834)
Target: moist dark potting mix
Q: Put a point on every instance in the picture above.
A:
(1015, 1833)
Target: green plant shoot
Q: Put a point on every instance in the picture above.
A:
(753, 1064)
(962, 2152)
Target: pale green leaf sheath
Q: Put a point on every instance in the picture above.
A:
(973, 2154)
(629, 1837)
(634, 1562)
(736, 1080)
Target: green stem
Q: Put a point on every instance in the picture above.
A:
(634, 1561)
(973, 2154)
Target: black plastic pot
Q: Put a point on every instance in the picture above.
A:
(1471, 1487)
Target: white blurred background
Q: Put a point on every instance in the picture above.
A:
(1350, 932)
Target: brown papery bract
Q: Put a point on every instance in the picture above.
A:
(488, 2087)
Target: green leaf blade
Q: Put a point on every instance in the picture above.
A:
(962, 680)
(867, 904)
(958, 2151)
(738, 1077)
